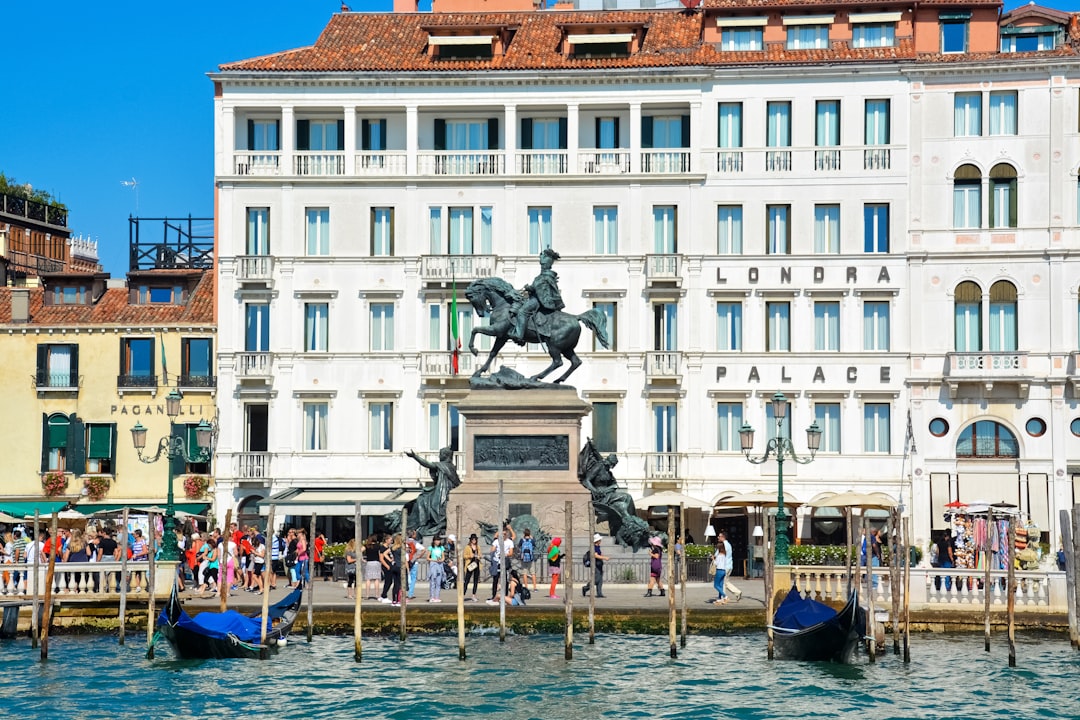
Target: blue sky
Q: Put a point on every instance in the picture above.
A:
(102, 92)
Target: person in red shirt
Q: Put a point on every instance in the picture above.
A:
(319, 544)
(247, 548)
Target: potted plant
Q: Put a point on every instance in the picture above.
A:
(96, 486)
(195, 486)
(54, 483)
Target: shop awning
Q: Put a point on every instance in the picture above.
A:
(25, 509)
(337, 502)
(188, 508)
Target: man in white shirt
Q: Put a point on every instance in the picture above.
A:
(729, 587)
(501, 551)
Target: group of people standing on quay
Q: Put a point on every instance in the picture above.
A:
(91, 544)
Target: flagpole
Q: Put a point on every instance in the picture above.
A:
(455, 342)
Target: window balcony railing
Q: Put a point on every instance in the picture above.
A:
(138, 381)
(662, 267)
(254, 268)
(989, 365)
(381, 162)
(433, 456)
(320, 164)
(777, 161)
(827, 160)
(665, 162)
(663, 364)
(438, 364)
(877, 158)
(729, 161)
(608, 162)
(457, 267)
(197, 381)
(45, 380)
(541, 162)
(461, 163)
(252, 465)
(257, 163)
(662, 466)
(254, 365)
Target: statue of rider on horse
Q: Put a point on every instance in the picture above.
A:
(543, 296)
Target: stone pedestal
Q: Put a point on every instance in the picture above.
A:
(529, 439)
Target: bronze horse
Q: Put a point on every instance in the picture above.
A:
(559, 331)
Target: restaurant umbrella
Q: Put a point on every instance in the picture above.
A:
(670, 498)
(757, 498)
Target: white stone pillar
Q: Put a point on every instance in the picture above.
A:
(412, 138)
(510, 141)
(288, 140)
(226, 142)
(635, 137)
(350, 140)
(573, 119)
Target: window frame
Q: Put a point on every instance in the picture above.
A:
(381, 411)
(777, 328)
(539, 225)
(381, 332)
(729, 230)
(830, 325)
(729, 314)
(317, 233)
(872, 414)
(316, 426)
(607, 241)
(612, 325)
(382, 231)
(872, 323)
(730, 441)
(316, 327)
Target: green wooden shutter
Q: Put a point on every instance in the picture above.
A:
(44, 442)
(303, 134)
(382, 134)
(440, 134)
(76, 446)
(251, 135)
(563, 133)
(685, 131)
(526, 140)
(596, 130)
(178, 465)
(100, 446)
(112, 444)
(646, 131)
(153, 361)
(493, 133)
(340, 135)
(365, 134)
(617, 144)
(42, 364)
(74, 365)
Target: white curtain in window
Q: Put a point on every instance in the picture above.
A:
(827, 123)
(545, 134)
(461, 231)
(967, 114)
(316, 321)
(380, 428)
(876, 326)
(382, 326)
(729, 418)
(826, 326)
(729, 230)
(1001, 203)
(315, 426)
(434, 328)
(877, 122)
(827, 416)
(1003, 326)
(257, 327)
(967, 206)
(876, 428)
(59, 365)
(433, 426)
(318, 231)
(606, 230)
(665, 326)
(664, 229)
(1003, 113)
(778, 133)
(665, 422)
(485, 229)
(728, 326)
(730, 125)
(826, 228)
(779, 330)
(741, 39)
(968, 322)
(258, 231)
(778, 230)
(380, 240)
(435, 231)
(607, 139)
(609, 311)
(466, 135)
(539, 229)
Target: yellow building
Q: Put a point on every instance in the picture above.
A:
(85, 358)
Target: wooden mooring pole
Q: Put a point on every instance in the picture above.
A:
(151, 583)
(36, 585)
(124, 543)
(504, 564)
(358, 581)
(907, 594)
(1076, 569)
(460, 584)
(871, 621)
(896, 564)
(1012, 592)
(46, 620)
(568, 579)
(590, 576)
(770, 580)
(682, 571)
(310, 573)
(264, 652)
(224, 556)
(403, 568)
(986, 580)
(671, 580)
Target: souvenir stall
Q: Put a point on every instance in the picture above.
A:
(970, 526)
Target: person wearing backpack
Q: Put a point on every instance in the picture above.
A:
(596, 559)
(527, 557)
(554, 557)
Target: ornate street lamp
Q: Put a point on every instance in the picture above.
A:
(174, 446)
(781, 447)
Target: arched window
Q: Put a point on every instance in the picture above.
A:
(967, 197)
(1003, 196)
(987, 439)
(968, 317)
(55, 450)
(1003, 316)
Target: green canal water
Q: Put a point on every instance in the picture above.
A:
(950, 676)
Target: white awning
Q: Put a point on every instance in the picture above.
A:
(598, 38)
(882, 17)
(742, 22)
(460, 39)
(334, 502)
(808, 19)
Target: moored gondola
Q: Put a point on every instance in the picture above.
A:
(804, 629)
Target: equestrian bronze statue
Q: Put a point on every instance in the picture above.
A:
(534, 315)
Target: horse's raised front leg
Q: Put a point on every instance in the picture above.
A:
(495, 348)
(481, 330)
(575, 362)
(556, 361)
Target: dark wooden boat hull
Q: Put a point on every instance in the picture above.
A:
(188, 643)
(833, 640)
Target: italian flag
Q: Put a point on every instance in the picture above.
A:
(455, 335)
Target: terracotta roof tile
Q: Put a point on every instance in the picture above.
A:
(398, 42)
(113, 309)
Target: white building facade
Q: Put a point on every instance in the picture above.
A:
(751, 214)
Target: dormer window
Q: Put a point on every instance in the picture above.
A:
(742, 34)
(808, 32)
(869, 30)
(600, 44)
(69, 295)
(462, 47)
(158, 295)
(1029, 39)
(954, 31)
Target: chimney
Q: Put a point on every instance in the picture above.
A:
(20, 305)
(406, 6)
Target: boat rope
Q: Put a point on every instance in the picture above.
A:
(254, 647)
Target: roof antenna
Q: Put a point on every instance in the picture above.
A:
(134, 185)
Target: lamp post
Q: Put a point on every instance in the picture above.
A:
(173, 446)
(781, 447)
